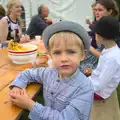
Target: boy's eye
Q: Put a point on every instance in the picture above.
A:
(56, 52)
(18, 6)
(70, 52)
(100, 9)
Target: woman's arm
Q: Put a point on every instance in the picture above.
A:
(94, 51)
(3, 31)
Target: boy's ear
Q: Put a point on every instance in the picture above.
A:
(83, 55)
(49, 54)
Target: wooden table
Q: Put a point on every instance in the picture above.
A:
(102, 110)
(4, 58)
(8, 72)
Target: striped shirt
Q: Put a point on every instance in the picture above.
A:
(68, 99)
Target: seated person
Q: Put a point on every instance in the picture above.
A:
(100, 8)
(106, 76)
(11, 23)
(39, 22)
(68, 93)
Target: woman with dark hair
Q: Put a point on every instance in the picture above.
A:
(102, 8)
(2, 11)
(105, 8)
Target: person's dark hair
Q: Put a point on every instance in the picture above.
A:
(110, 5)
(40, 8)
(2, 11)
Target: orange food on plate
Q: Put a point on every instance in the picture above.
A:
(42, 48)
(41, 61)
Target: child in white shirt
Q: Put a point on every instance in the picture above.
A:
(106, 76)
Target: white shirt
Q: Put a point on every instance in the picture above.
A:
(106, 76)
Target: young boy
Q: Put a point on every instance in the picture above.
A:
(106, 76)
(68, 94)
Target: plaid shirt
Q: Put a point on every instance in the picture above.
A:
(68, 99)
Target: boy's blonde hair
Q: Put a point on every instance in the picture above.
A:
(10, 4)
(68, 38)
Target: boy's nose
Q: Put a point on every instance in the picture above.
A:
(96, 12)
(64, 58)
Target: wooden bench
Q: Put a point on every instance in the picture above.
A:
(106, 109)
(8, 72)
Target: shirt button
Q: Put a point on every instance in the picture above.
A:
(52, 93)
(58, 80)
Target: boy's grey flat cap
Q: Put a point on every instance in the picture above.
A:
(66, 26)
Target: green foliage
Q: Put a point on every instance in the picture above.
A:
(118, 93)
(118, 3)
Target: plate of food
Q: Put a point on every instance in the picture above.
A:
(14, 47)
(22, 53)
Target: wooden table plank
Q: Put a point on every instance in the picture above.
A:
(8, 72)
(17, 67)
(6, 77)
(4, 57)
(9, 111)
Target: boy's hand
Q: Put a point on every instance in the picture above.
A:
(16, 90)
(21, 99)
(87, 71)
(41, 62)
(88, 22)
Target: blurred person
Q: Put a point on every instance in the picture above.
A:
(39, 22)
(106, 76)
(102, 8)
(2, 11)
(11, 23)
(88, 21)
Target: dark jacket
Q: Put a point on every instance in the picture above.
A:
(93, 42)
(118, 39)
(36, 26)
(1, 17)
(118, 42)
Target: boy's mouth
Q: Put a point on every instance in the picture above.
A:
(65, 66)
(97, 16)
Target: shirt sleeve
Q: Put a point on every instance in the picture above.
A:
(106, 75)
(28, 76)
(78, 109)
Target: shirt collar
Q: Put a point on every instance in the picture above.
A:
(41, 16)
(108, 49)
(72, 77)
